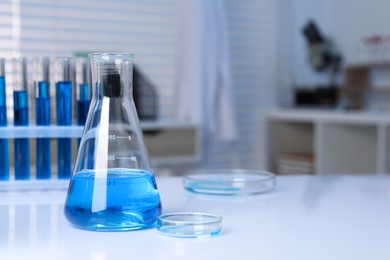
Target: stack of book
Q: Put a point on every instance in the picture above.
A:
(288, 164)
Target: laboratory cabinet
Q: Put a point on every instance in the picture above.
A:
(326, 142)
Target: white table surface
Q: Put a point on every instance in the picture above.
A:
(305, 217)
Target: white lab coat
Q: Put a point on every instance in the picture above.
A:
(204, 78)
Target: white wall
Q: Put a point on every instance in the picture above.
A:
(253, 35)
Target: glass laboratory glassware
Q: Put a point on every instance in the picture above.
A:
(83, 90)
(42, 110)
(22, 145)
(63, 77)
(112, 187)
(4, 162)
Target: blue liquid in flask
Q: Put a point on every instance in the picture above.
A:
(120, 200)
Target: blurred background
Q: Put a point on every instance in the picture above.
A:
(218, 66)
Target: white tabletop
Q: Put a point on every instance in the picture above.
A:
(306, 217)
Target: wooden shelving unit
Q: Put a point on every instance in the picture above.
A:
(358, 83)
(339, 142)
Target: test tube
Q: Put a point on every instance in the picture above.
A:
(64, 113)
(83, 92)
(4, 162)
(21, 145)
(42, 109)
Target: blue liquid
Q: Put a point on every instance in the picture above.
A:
(64, 157)
(4, 162)
(2, 92)
(20, 108)
(64, 102)
(64, 118)
(43, 159)
(22, 159)
(123, 200)
(22, 145)
(43, 104)
(82, 112)
(43, 154)
(3, 116)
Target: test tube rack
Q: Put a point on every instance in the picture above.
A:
(33, 132)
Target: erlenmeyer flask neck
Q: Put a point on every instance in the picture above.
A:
(112, 86)
(112, 75)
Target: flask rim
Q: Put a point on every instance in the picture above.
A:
(110, 56)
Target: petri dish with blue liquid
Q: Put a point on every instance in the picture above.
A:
(229, 182)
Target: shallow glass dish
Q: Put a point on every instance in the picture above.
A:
(229, 182)
(189, 224)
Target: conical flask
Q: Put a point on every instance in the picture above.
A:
(112, 187)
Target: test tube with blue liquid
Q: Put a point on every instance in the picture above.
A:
(4, 161)
(42, 109)
(63, 72)
(21, 145)
(83, 91)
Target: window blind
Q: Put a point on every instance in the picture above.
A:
(149, 28)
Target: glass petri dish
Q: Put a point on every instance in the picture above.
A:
(189, 224)
(229, 182)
